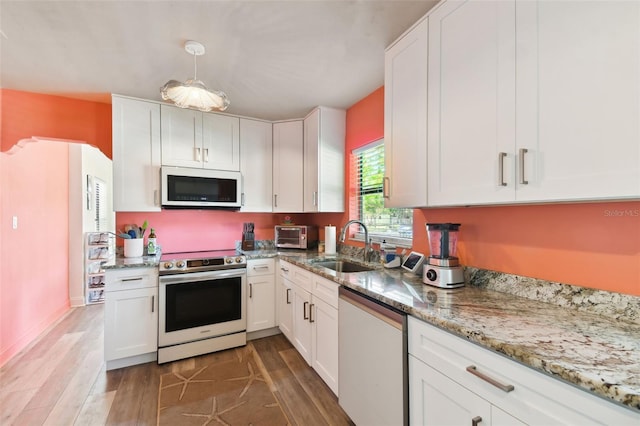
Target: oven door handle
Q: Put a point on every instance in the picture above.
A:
(201, 276)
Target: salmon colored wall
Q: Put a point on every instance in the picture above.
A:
(34, 257)
(25, 114)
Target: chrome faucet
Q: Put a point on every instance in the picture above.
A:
(343, 234)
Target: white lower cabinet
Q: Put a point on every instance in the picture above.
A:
(454, 382)
(131, 316)
(308, 317)
(261, 312)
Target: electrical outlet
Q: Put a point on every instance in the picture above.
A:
(14, 222)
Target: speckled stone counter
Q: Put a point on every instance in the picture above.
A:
(119, 262)
(585, 337)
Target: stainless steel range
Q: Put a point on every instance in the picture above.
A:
(202, 303)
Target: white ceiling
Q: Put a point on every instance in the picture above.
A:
(274, 59)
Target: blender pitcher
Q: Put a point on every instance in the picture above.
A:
(443, 243)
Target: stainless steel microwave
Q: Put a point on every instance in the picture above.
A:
(184, 187)
(296, 236)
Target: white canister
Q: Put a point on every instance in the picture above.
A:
(330, 239)
(133, 247)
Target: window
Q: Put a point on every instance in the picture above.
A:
(394, 225)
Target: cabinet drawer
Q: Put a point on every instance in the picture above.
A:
(297, 275)
(130, 279)
(326, 290)
(260, 267)
(535, 398)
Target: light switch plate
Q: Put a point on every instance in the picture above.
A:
(14, 222)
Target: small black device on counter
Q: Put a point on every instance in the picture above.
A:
(413, 262)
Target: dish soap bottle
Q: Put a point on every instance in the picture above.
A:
(151, 243)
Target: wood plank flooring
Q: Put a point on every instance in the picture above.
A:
(61, 380)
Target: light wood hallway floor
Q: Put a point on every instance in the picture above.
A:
(61, 380)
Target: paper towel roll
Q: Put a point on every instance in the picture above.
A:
(330, 240)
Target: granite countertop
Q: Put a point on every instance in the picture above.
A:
(596, 350)
(119, 262)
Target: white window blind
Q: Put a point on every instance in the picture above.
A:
(382, 223)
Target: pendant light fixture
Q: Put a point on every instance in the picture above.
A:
(193, 93)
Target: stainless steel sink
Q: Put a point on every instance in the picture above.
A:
(344, 266)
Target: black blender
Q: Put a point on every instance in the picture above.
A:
(443, 269)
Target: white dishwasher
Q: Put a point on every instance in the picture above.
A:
(372, 361)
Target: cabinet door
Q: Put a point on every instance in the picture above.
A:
(287, 166)
(136, 155)
(578, 100)
(181, 137)
(324, 133)
(261, 302)
(220, 142)
(324, 321)
(471, 136)
(301, 324)
(256, 165)
(285, 308)
(311, 161)
(405, 120)
(436, 400)
(131, 323)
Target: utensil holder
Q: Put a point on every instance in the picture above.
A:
(133, 247)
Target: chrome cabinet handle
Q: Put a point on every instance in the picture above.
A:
(250, 290)
(206, 155)
(155, 197)
(255, 268)
(288, 293)
(473, 370)
(304, 310)
(501, 156)
(476, 421)
(311, 312)
(153, 304)
(131, 279)
(315, 198)
(197, 154)
(242, 199)
(283, 269)
(275, 200)
(386, 182)
(522, 152)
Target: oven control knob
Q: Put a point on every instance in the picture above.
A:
(168, 265)
(181, 264)
(239, 260)
(228, 260)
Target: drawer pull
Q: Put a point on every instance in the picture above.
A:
(131, 279)
(476, 421)
(255, 268)
(250, 291)
(501, 156)
(473, 370)
(304, 311)
(153, 304)
(288, 293)
(523, 181)
(311, 313)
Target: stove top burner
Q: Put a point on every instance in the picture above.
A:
(199, 261)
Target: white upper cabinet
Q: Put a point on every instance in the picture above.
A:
(405, 119)
(471, 102)
(288, 163)
(256, 165)
(533, 101)
(324, 144)
(136, 155)
(195, 139)
(578, 100)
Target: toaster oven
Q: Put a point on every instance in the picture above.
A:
(296, 236)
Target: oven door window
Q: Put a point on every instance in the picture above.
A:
(195, 304)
